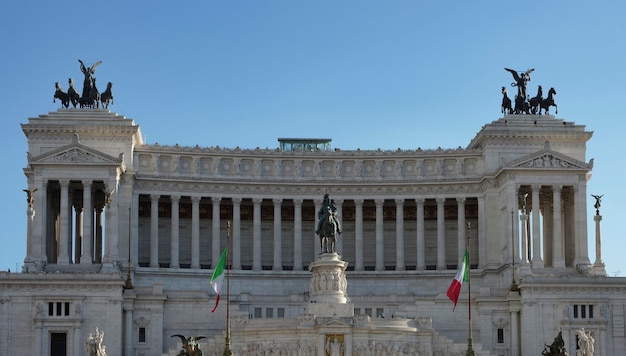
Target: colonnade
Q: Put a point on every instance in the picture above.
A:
(552, 230)
(279, 232)
(70, 224)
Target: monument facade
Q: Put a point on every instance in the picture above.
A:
(123, 236)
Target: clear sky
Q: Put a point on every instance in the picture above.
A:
(368, 74)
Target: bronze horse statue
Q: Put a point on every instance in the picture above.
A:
(329, 232)
(61, 95)
(107, 96)
(535, 102)
(506, 102)
(549, 101)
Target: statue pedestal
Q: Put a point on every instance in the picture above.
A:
(328, 295)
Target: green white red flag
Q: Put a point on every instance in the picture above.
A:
(462, 275)
(218, 277)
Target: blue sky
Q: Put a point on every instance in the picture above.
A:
(368, 74)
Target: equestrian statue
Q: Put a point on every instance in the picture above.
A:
(328, 226)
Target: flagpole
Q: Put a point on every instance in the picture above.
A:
(228, 350)
(470, 348)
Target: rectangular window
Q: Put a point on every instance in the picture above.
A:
(591, 311)
(142, 334)
(368, 312)
(59, 308)
(500, 336)
(380, 312)
(281, 313)
(258, 313)
(575, 310)
(269, 312)
(50, 308)
(67, 309)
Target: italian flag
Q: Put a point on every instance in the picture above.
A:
(462, 275)
(217, 279)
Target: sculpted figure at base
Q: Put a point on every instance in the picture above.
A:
(334, 347)
(94, 345)
(557, 348)
(190, 345)
(328, 226)
(585, 343)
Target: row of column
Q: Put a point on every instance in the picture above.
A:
(51, 219)
(553, 230)
(297, 228)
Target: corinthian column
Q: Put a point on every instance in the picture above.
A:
(400, 265)
(441, 234)
(358, 235)
(154, 230)
(278, 258)
(64, 228)
(256, 234)
(85, 258)
(174, 241)
(380, 242)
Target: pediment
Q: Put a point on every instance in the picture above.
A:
(77, 153)
(549, 159)
(335, 323)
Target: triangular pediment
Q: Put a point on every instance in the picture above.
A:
(549, 159)
(77, 153)
(335, 323)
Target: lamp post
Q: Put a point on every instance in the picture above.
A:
(470, 348)
(228, 347)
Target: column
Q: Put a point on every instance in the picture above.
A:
(318, 245)
(64, 232)
(339, 240)
(111, 252)
(580, 214)
(78, 232)
(421, 240)
(441, 234)
(128, 328)
(537, 261)
(358, 235)
(380, 239)
(297, 234)
(42, 219)
(85, 258)
(559, 262)
(548, 233)
(99, 235)
(278, 246)
(154, 230)
(134, 229)
(514, 333)
(400, 265)
(256, 234)
(195, 232)
(482, 232)
(215, 234)
(236, 231)
(175, 229)
(461, 228)
(524, 222)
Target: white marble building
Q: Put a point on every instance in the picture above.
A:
(104, 201)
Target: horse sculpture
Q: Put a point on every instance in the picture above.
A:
(506, 102)
(107, 96)
(72, 94)
(549, 101)
(61, 95)
(328, 234)
(535, 102)
(328, 226)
